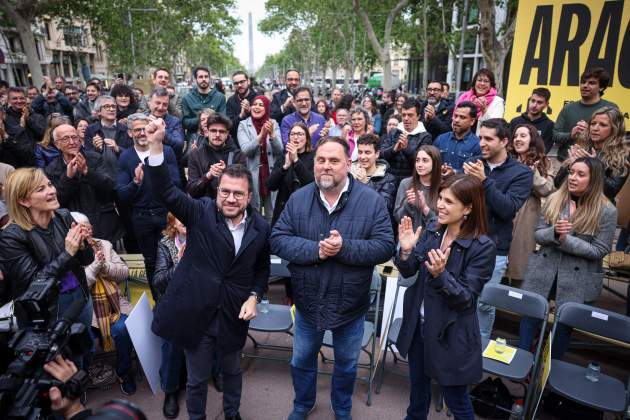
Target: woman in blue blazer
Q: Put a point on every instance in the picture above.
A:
(440, 333)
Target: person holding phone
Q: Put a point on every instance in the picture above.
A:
(575, 232)
(453, 258)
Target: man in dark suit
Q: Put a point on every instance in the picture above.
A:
(217, 283)
(436, 113)
(282, 102)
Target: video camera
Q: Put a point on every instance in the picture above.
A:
(24, 386)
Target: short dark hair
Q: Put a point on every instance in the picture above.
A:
(484, 72)
(33, 87)
(200, 68)
(500, 126)
(598, 73)
(161, 69)
(369, 139)
(236, 73)
(411, 103)
(290, 70)
(217, 118)
(470, 105)
(301, 89)
(123, 90)
(71, 87)
(238, 170)
(337, 140)
(434, 81)
(446, 84)
(60, 77)
(542, 92)
(15, 89)
(94, 85)
(4, 84)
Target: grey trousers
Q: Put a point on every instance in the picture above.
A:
(199, 367)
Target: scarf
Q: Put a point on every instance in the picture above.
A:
(263, 169)
(106, 307)
(470, 95)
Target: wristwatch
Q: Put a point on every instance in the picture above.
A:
(258, 298)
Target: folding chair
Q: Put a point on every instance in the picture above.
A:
(369, 336)
(278, 319)
(522, 303)
(607, 394)
(394, 330)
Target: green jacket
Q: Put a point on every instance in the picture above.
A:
(194, 102)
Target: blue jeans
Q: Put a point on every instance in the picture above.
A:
(485, 313)
(171, 367)
(306, 344)
(530, 327)
(123, 344)
(85, 318)
(456, 397)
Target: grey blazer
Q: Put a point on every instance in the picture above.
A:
(577, 261)
(248, 140)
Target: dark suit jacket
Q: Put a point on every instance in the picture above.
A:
(278, 99)
(209, 281)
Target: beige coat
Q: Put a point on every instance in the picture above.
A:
(114, 268)
(523, 242)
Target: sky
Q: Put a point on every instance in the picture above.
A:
(263, 45)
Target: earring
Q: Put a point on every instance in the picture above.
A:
(465, 217)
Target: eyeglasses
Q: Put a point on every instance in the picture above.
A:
(434, 90)
(215, 131)
(240, 82)
(68, 139)
(238, 195)
(138, 130)
(483, 81)
(298, 134)
(108, 106)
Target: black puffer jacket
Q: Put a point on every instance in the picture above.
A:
(286, 182)
(40, 254)
(401, 163)
(382, 182)
(199, 162)
(19, 149)
(91, 194)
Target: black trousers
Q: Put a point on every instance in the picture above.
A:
(148, 226)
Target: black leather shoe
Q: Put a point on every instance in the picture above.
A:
(236, 417)
(217, 381)
(171, 406)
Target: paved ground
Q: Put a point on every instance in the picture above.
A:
(267, 391)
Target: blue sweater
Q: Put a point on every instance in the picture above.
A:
(507, 188)
(140, 197)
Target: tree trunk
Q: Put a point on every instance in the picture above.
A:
(382, 51)
(493, 47)
(425, 47)
(23, 26)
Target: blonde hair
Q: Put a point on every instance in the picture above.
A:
(19, 186)
(615, 150)
(53, 123)
(590, 205)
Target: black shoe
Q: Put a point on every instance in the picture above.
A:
(217, 381)
(128, 384)
(171, 406)
(236, 417)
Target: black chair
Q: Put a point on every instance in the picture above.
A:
(522, 303)
(608, 394)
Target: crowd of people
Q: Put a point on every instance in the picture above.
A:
(207, 188)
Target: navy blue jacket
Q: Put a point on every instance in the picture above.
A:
(401, 163)
(335, 291)
(455, 152)
(123, 140)
(441, 122)
(210, 283)
(452, 343)
(140, 196)
(61, 105)
(507, 188)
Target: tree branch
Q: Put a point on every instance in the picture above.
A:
(368, 27)
(390, 21)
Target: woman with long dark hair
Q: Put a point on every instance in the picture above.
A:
(440, 332)
(417, 195)
(483, 93)
(369, 103)
(575, 232)
(527, 147)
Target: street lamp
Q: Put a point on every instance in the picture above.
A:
(133, 45)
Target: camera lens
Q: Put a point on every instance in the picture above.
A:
(118, 410)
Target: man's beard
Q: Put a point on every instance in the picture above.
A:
(326, 183)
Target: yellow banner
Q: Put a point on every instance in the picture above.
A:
(555, 41)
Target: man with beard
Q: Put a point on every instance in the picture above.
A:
(162, 78)
(460, 144)
(388, 108)
(72, 93)
(201, 96)
(221, 276)
(536, 104)
(239, 102)
(303, 99)
(206, 163)
(333, 232)
(24, 128)
(134, 190)
(435, 112)
(283, 102)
